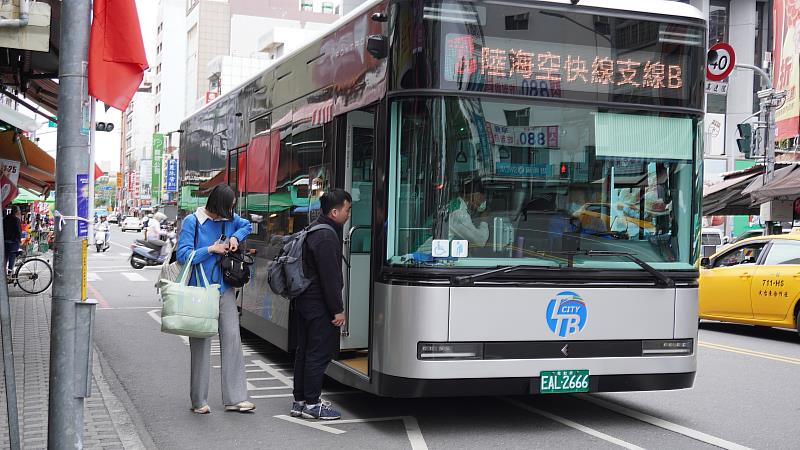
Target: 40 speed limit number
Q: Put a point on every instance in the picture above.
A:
(721, 61)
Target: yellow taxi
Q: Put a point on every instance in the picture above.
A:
(754, 281)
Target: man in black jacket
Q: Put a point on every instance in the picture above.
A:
(319, 311)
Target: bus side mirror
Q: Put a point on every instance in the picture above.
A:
(378, 46)
(705, 262)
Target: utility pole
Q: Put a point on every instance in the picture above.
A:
(769, 101)
(70, 334)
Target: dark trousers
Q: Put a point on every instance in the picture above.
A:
(11, 249)
(317, 343)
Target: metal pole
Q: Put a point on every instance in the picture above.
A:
(90, 168)
(8, 357)
(768, 115)
(92, 145)
(65, 414)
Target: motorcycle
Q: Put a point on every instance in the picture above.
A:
(101, 237)
(152, 252)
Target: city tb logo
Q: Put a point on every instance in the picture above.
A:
(566, 314)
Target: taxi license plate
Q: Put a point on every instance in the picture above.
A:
(563, 381)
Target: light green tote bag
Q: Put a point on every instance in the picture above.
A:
(189, 310)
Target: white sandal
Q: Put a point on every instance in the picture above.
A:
(241, 407)
(202, 410)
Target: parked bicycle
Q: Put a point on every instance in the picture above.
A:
(32, 275)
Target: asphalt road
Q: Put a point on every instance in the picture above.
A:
(746, 394)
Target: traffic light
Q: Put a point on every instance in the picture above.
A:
(563, 171)
(104, 126)
(745, 140)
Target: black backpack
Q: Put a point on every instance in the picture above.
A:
(236, 268)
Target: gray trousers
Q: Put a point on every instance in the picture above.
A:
(234, 387)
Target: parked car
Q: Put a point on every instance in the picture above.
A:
(755, 281)
(132, 223)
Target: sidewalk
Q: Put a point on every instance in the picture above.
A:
(30, 319)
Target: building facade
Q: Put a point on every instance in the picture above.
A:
(138, 124)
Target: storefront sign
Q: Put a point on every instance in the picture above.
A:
(158, 154)
(172, 176)
(786, 19)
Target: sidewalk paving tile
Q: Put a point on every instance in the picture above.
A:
(30, 326)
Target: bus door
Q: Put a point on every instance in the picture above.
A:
(357, 244)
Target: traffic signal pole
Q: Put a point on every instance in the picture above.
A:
(71, 317)
(769, 101)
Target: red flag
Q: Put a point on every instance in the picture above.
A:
(116, 53)
(98, 172)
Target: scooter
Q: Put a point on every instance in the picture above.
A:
(152, 253)
(101, 237)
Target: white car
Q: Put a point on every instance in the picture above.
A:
(131, 223)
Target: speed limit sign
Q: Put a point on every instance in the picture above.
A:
(721, 61)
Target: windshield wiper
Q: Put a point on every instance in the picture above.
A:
(661, 278)
(465, 280)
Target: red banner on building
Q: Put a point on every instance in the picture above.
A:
(786, 62)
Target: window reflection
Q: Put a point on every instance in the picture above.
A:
(512, 180)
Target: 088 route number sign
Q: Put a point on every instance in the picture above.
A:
(722, 66)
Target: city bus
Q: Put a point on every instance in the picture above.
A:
(526, 180)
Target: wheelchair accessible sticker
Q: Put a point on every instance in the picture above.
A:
(566, 314)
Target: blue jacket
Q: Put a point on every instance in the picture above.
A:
(208, 232)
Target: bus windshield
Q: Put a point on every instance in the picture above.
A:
(485, 182)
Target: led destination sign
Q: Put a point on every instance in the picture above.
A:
(548, 69)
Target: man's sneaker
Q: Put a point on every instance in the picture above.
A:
(321, 411)
(297, 409)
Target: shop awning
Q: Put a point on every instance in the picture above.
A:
(37, 168)
(726, 199)
(26, 196)
(17, 119)
(785, 185)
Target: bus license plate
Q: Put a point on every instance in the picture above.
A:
(563, 381)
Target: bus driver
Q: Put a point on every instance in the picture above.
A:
(470, 205)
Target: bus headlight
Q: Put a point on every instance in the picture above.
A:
(432, 351)
(668, 347)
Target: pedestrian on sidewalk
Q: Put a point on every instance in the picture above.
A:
(318, 310)
(12, 235)
(209, 233)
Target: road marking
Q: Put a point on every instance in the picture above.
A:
(275, 373)
(661, 423)
(123, 254)
(306, 423)
(97, 296)
(92, 276)
(155, 314)
(131, 276)
(744, 351)
(409, 422)
(128, 249)
(571, 424)
(325, 394)
(127, 307)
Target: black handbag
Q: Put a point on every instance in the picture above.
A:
(236, 268)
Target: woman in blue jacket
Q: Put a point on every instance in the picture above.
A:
(209, 233)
